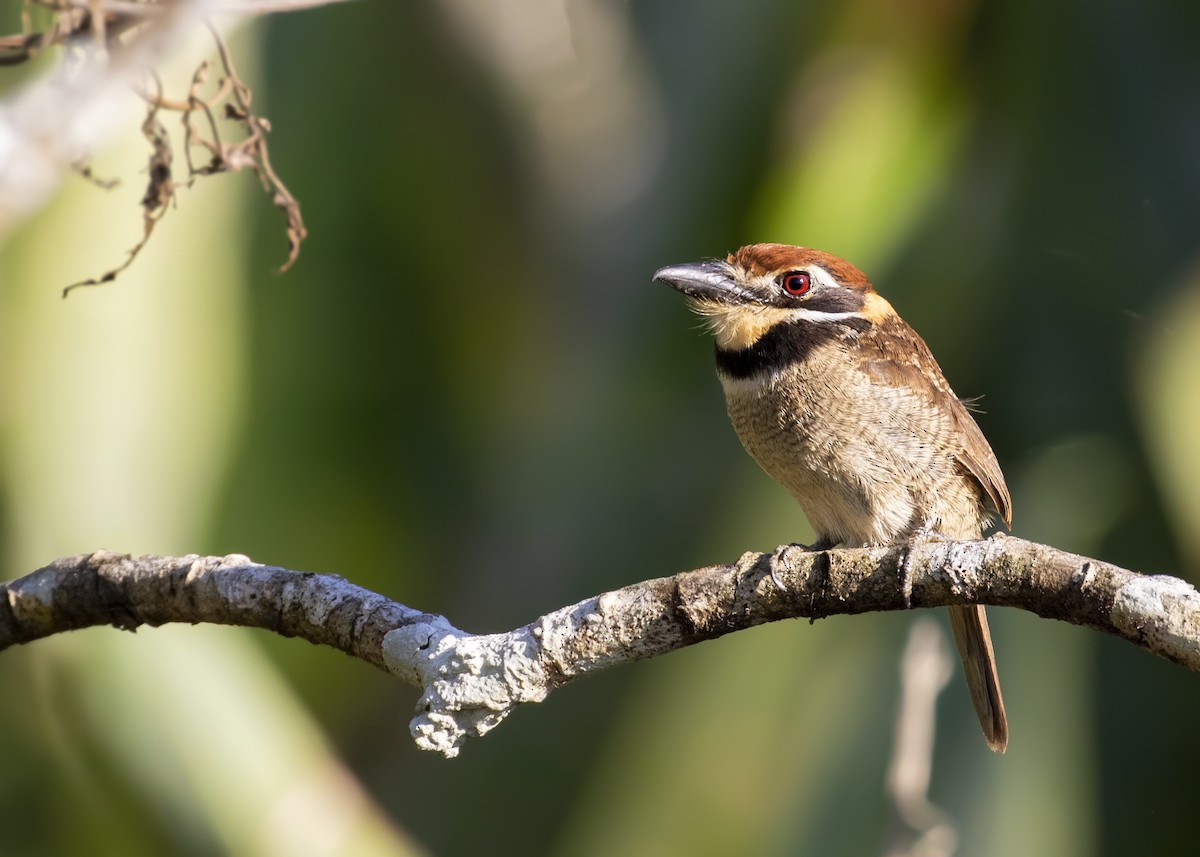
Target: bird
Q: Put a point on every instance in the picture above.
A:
(839, 399)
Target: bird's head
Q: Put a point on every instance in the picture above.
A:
(764, 285)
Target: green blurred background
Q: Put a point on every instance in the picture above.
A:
(467, 395)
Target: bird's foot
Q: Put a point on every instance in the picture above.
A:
(781, 554)
(925, 534)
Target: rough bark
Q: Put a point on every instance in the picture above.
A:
(471, 682)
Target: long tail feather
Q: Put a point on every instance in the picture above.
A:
(974, 643)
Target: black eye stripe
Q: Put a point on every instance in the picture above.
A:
(835, 300)
(820, 295)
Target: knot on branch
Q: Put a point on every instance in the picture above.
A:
(471, 682)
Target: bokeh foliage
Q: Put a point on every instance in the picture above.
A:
(468, 395)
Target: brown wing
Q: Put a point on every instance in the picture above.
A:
(977, 456)
(895, 354)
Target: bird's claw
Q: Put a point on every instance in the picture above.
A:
(782, 551)
(925, 534)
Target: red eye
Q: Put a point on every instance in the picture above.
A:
(796, 283)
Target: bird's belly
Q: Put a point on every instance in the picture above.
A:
(861, 468)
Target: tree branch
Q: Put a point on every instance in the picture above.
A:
(470, 683)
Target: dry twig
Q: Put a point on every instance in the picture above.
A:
(160, 193)
(92, 33)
